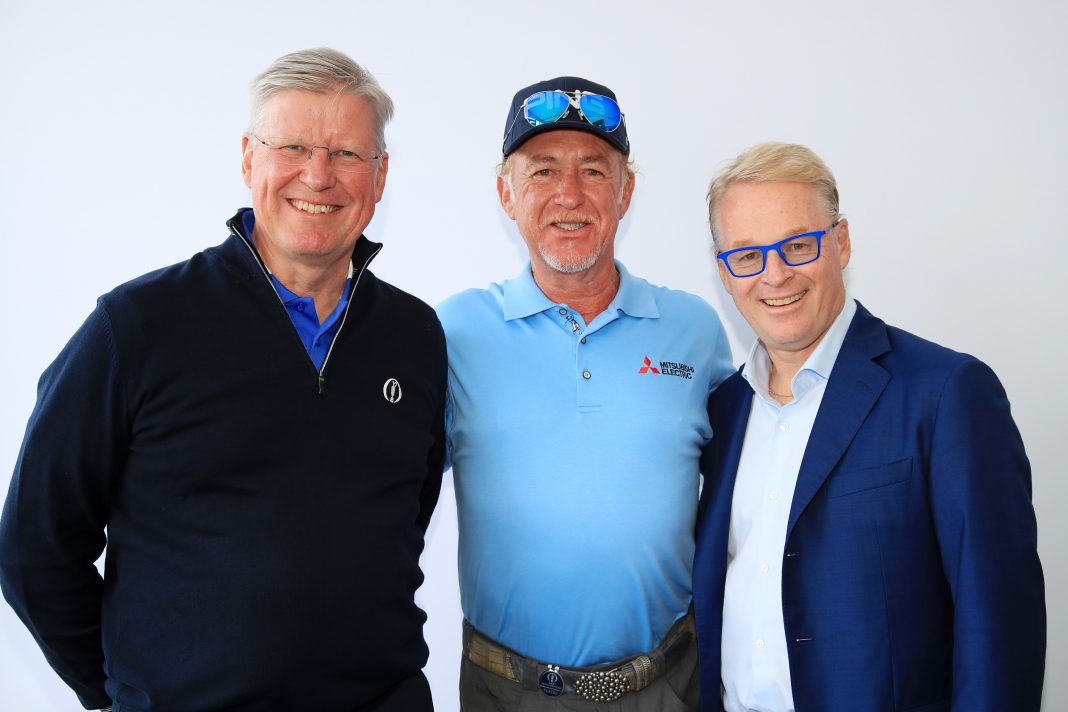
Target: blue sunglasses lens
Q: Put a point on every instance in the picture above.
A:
(545, 107)
(600, 111)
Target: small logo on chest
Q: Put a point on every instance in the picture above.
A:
(667, 368)
(391, 390)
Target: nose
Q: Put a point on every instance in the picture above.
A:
(569, 190)
(776, 271)
(318, 173)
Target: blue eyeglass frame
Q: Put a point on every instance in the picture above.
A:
(777, 247)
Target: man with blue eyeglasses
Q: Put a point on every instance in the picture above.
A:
(867, 540)
(256, 434)
(576, 419)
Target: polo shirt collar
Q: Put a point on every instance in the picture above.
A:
(523, 297)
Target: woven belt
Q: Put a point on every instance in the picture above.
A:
(598, 683)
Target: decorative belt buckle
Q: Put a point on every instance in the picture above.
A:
(551, 682)
(603, 686)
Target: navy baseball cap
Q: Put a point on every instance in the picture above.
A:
(550, 105)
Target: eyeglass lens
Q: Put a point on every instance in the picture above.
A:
(293, 153)
(545, 107)
(600, 111)
(795, 251)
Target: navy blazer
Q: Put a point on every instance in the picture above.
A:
(911, 579)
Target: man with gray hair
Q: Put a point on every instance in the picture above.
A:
(259, 431)
(867, 540)
(577, 399)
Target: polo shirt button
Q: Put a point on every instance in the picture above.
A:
(587, 375)
(760, 643)
(563, 311)
(300, 306)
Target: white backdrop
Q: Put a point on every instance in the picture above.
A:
(943, 121)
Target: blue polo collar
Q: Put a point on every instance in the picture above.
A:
(523, 297)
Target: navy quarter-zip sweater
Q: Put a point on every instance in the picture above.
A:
(264, 520)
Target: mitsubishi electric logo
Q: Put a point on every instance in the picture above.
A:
(391, 390)
(667, 368)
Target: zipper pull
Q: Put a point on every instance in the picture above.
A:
(322, 385)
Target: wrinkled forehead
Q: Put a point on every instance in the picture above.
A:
(763, 212)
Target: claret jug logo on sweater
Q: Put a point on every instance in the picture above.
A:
(391, 390)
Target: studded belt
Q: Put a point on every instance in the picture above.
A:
(598, 683)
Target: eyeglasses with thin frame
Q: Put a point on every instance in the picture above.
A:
(292, 152)
(546, 107)
(795, 251)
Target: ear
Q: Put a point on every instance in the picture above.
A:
(246, 160)
(504, 192)
(628, 191)
(845, 248)
(380, 179)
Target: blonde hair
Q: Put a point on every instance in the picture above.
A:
(774, 162)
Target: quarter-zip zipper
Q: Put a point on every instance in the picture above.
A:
(321, 371)
(344, 317)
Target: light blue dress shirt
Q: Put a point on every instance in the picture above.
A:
(755, 665)
(575, 450)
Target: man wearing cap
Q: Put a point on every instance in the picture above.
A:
(867, 539)
(576, 419)
(260, 431)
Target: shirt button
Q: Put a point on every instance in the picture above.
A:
(760, 643)
(764, 568)
(583, 340)
(784, 426)
(300, 306)
(774, 494)
(587, 375)
(563, 311)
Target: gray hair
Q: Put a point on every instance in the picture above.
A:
(773, 162)
(323, 71)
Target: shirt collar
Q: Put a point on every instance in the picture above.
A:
(817, 366)
(523, 297)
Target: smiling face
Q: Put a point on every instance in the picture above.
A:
(311, 215)
(789, 308)
(567, 196)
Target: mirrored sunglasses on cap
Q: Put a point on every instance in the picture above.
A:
(546, 107)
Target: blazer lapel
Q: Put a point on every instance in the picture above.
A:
(852, 390)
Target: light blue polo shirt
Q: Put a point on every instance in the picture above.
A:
(575, 452)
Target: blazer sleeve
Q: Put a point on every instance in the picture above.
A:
(56, 511)
(980, 483)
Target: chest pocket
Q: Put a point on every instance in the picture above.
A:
(869, 478)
